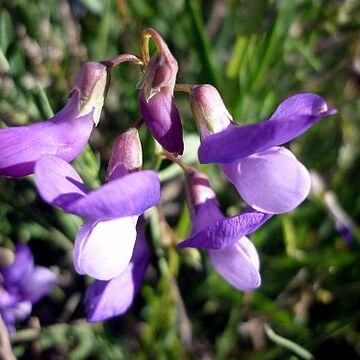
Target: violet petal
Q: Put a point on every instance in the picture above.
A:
(64, 136)
(292, 118)
(8, 299)
(163, 120)
(238, 264)
(40, 282)
(22, 310)
(18, 272)
(272, 181)
(58, 182)
(225, 232)
(19, 312)
(205, 214)
(105, 299)
(127, 196)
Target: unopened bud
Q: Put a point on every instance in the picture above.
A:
(126, 154)
(92, 84)
(209, 110)
(161, 71)
(156, 99)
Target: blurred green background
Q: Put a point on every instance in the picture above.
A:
(256, 53)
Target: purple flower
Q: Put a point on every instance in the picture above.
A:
(64, 135)
(105, 243)
(105, 299)
(23, 284)
(163, 120)
(156, 100)
(267, 176)
(231, 253)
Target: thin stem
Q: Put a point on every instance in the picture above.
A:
(139, 123)
(287, 344)
(175, 160)
(122, 58)
(184, 87)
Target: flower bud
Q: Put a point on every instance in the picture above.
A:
(92, 84)
(160, 72)
(126, 154)
(156, 99)
(208, 108)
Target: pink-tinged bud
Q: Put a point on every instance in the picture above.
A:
(161, 71)
(92, 84)
(209, 110)
(156, 99)
(126, 154)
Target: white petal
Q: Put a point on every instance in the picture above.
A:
(103, 250)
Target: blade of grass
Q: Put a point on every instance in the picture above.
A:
(4, 65)
(42, 101)
(203, 49)
(287, 344)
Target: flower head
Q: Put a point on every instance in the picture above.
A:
(105, 243)
(230, 251)
(267, 176)
(64, 135)
(23, 284)
(156, 99)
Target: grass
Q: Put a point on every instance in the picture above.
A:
(256, 53)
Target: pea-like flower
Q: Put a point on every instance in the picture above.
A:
(104, 244)
(156, 98)
(22, 284)
(267, 176)
(231, 252)
(64, 135)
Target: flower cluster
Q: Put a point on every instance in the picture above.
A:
(111, 246)
(22, 284)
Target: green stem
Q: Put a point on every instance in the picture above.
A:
(287, 344)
